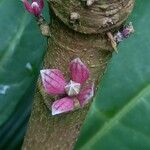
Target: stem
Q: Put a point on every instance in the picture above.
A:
(65, 43)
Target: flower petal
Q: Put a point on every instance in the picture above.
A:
(27, 6)
(62, 105)
(53, 81)
(79, 71)
(41, 3)
(85, 95)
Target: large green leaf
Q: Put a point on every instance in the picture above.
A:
(21, 52)
(119, 118)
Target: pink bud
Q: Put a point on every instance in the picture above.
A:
(62, 105)
(79, 71)
(128, 30)
(85, 95)
(35, 7)
(53, 81)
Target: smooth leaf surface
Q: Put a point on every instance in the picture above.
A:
(21, 51)
(119, 118)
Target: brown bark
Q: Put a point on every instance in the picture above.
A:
(85, 39)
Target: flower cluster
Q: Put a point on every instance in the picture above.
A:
(125, 33)
(55, 84)
(35, 7)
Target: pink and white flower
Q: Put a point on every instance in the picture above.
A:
(55, 84)
(125, 33)
(35, 7)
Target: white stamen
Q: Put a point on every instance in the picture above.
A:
(73, 88)
(34, 4)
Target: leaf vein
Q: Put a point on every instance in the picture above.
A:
(113, 121)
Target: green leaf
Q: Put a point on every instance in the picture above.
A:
(21, 51)
(119, 116)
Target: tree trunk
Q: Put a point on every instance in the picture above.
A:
(82, 36)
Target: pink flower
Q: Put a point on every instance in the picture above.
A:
(35, 7)
(124, 33)
(128, 30)
(55, 84)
